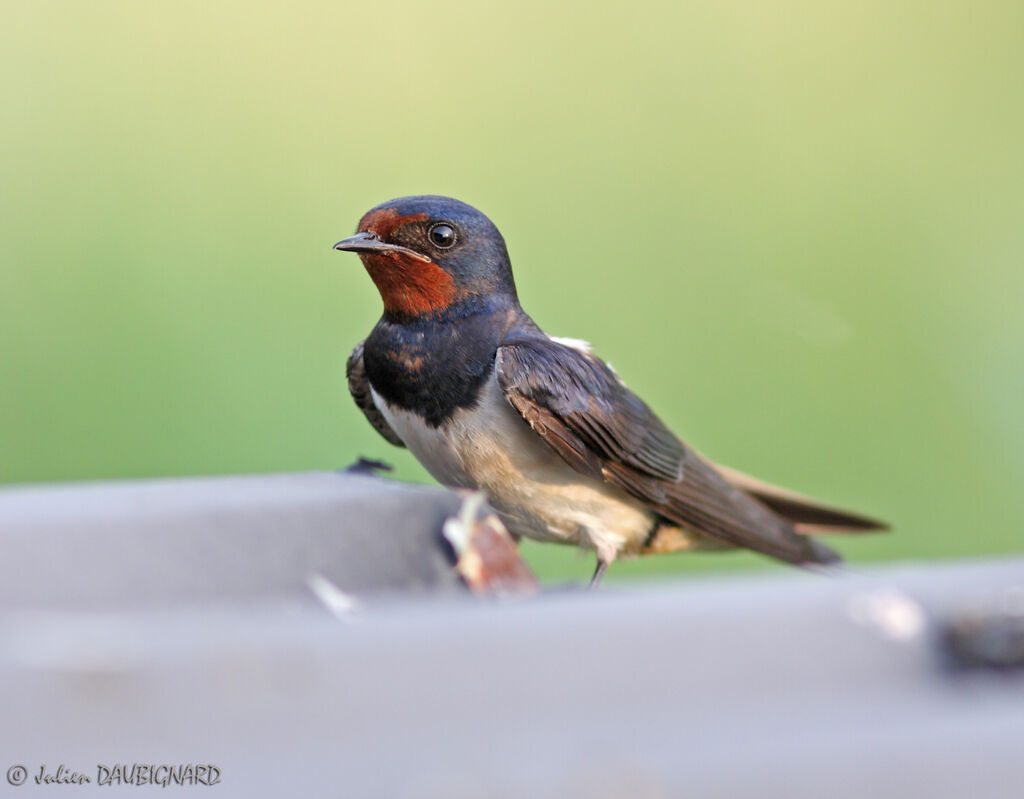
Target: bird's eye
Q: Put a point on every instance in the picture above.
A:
(442, 235)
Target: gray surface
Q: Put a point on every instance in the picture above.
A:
(159, 542)
(764, 688)
(789, 686)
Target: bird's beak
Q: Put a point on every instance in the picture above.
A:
(370, 242)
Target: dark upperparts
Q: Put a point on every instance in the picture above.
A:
(433, 257)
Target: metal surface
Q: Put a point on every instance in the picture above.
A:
(159, 542)
(788, 686)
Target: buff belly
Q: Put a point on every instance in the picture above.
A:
(490, 447)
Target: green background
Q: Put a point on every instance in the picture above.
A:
(796, 228)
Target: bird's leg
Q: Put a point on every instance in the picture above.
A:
(602, 567)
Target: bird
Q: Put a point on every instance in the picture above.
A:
(459, 374)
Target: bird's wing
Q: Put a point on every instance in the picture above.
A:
(578, 405)
(359, 387)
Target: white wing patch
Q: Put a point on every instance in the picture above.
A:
(577, 344)
(580, 345)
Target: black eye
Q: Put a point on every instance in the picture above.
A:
(442, 235)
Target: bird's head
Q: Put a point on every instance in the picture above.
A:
(431, 255)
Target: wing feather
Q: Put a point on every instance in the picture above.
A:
(580, 407)
(359, 388)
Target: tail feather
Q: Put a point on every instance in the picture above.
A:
(806, 515)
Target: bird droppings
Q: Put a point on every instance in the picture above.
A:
(488, 558)
(889, 612)
(341, 605)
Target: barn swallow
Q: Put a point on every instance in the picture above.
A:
(459, 374)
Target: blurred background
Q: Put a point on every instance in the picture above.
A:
(795, 228)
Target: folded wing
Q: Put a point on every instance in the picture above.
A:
(578, 405)
(359, 388)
